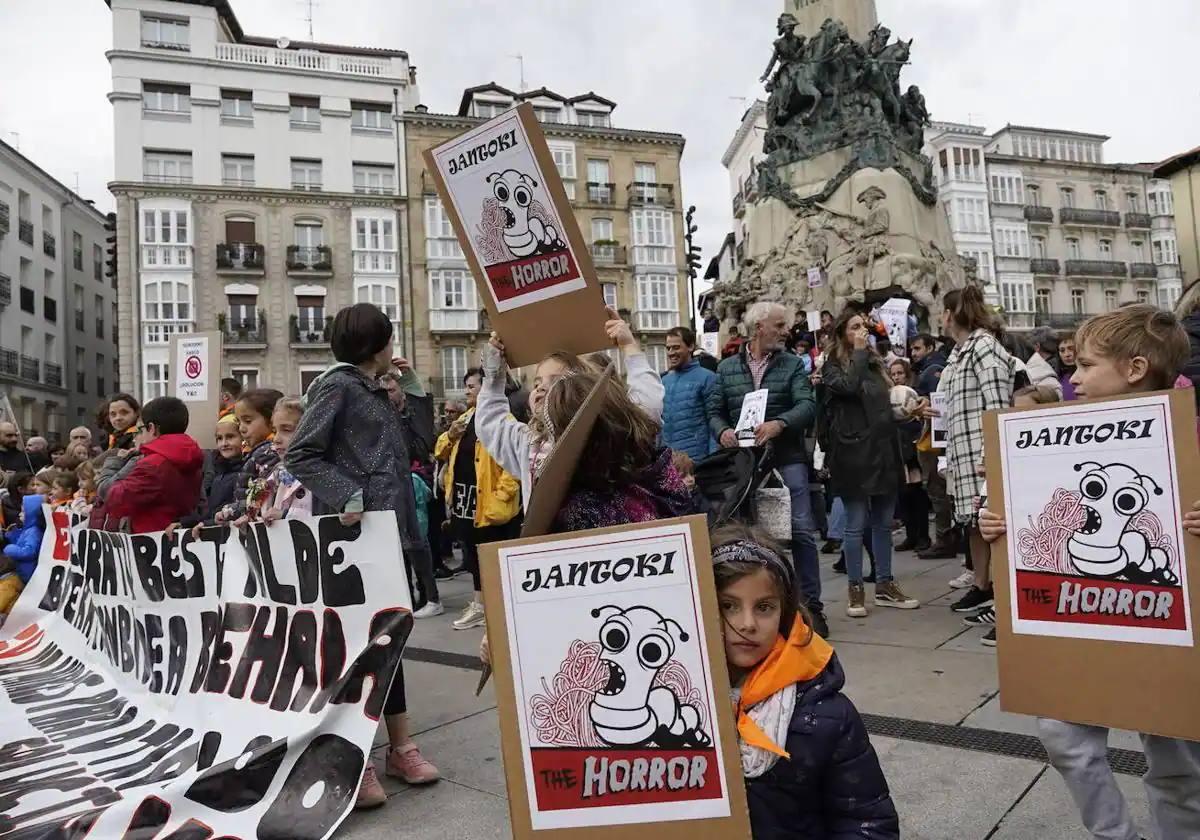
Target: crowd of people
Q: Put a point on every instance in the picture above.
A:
(848, 424)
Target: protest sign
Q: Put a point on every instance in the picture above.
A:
(710, 343)
(894, 316)
(620, 717)
(937, 424)
(754, 414)
(812, 320)
(816, 278)
(228, 685)
(511, 214)
(1095, 578)
(195, 378)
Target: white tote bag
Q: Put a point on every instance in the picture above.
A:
(773, 502)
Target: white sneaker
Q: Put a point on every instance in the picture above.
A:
(472, 616)
(964, 581)
(430, 610)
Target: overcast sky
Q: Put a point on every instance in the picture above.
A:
(1116, 67)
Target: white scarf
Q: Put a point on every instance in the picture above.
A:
(773, 716)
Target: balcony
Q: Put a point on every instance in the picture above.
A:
(1038, 214)
(739, 205)
(1078, 216)
(454, 320)
(607, 253)
(603, 194)
(244, 332)
(1143, 270)
(1137, 220)
(1095, 268)
(309, 260)
(650, 194)
(4, 218)
(25, 231)
(309, 331)
(5, 290)
(1019, 320)
(54, 375)
(236, 257)
(1043, 266)
(9, 363)
(655, 321)
(31, 369)
(48, 244)
(348, 65)
(1061, 320)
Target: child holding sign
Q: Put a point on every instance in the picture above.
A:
(1135, 349)
(809, 766)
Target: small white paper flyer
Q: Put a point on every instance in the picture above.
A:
(754, 414)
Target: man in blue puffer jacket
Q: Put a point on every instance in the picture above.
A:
(685, 404)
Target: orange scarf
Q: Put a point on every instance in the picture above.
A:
(790, 661)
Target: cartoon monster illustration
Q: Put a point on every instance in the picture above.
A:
(627, 712)
(525, 234)
(1107, 545)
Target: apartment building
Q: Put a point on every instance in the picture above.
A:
(1074, 235)
(625, 189)
(58, 332)
(1175, 188)
(258, 185)
(741, 159)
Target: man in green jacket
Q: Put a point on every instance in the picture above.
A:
(765, 364)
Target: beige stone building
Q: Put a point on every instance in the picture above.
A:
(625, 188)
(1177, 180)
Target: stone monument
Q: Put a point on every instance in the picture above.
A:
(844, 187)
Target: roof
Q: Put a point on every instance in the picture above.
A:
(592, 96)
(465, 103)
(83, 203)
(1171, 165)
(749, 119)
(225, 12)
(464, 121)
(714, 265)
(1089, 135)
(545, 92)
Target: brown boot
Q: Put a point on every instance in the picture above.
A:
(888, 594)
(856, 606)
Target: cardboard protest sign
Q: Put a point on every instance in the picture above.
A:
(507, 204)
(937, 425)
(710, 343)
(753, 415)
(227, 686)
(894, 316)
(620, 717)
(1095, 588)
(195, 378)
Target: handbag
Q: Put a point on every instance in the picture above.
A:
(773, 507)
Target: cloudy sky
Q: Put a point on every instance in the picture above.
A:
(1117, 67)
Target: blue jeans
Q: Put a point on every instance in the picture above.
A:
(837, 519)
(804, 543)
(872, 513)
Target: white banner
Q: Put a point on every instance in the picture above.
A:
(225, 686)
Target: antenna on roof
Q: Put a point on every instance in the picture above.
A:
(308, 16)
(521, 60)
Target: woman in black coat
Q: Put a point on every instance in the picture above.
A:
(862, 453)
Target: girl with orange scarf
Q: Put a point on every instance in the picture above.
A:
(809, 766)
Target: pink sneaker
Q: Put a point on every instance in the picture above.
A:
(407, 763)
(370, 792)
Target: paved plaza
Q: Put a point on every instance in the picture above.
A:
(958, 767)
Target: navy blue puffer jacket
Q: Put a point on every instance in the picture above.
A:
(832, 788)
(685, 411)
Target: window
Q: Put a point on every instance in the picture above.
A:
(80, 370)
(1110, 300)
(1106, 249)
(610, 294)
(374, 178)
(983, 262)
(1007, 189)
(383, 293)
(1101, 199)
(237, 170)
(248, 377)
(547, 114)
(656, 355)
(564, 160)
(454, 368)
(1077, 302)
(165, 33)
(653, 237)
(305, 113)
(1133, 203)
(1016, 295)
(971, 215)
(645, 178)
(1041, 302)
(154, 381)
(1165, 250)
(242, 313)
(657, 302)
(487, 110)
(310, 316)
(1067, 196)
(1139, 250)
(371, 116)
(451, 289)
(306, 174)
(602, 230)
(77, 299)
(1012, 242)
(309, 234)
(440, 242)
(1033, 195)
(77, 251)
(167, 167)
(595, 119)
(599, 187)
(165, 99)
(1072, 248)
(1039, 247)
(374, 245)
(99, 305)
(166, 309)
(237, 105)
(1160, 199)
(98, 263)
(164, 239)
(1143, 296)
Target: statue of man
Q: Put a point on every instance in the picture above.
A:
(789, 47)
(878, 39)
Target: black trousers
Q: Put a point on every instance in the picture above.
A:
(396, 703)
(474, 537)
(914, 512)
